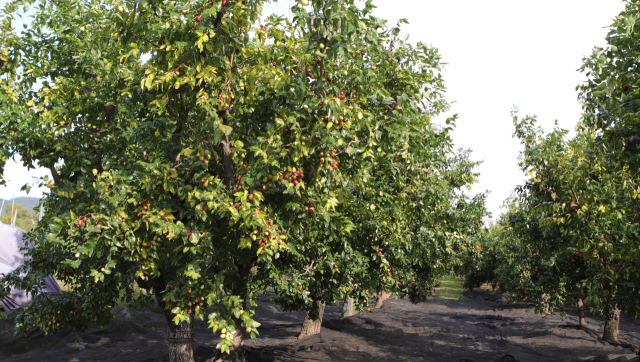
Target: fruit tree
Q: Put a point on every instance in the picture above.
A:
(191, 142)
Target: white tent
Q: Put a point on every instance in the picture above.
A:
(11, 240)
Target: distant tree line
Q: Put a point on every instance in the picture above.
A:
(25, 220)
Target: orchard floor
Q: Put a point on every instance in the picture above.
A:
(473, 328)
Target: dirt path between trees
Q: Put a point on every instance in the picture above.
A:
(474, 328)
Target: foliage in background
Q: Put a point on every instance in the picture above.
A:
(30, 203)
(479, 263)
(25, 220)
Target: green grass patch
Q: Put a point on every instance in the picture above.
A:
(450, 288)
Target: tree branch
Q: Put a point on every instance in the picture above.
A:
(171, 111)
(308, 269)
(233, 52)
(54, 174)
(574, 194)
(155, 10)
(227, 163)
(242, 62)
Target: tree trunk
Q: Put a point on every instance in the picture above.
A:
(312, 326)
(382, 296)
(236, 351)
(544, 299)
(180, 337)
(583, 322)
(349, 308)
(612, 320)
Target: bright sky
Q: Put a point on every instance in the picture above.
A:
(500, 54)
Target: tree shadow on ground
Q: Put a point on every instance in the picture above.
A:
(439, 330)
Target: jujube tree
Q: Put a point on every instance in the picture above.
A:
(188, 143)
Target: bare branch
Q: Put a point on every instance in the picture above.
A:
(308, 269)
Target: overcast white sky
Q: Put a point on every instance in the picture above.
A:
(500, 54)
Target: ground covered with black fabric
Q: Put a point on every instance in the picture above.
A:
(477, 327)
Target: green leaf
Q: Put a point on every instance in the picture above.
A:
(226, 130)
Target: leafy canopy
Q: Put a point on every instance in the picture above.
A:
(191, 142)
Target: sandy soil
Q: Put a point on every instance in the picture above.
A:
(474, 328)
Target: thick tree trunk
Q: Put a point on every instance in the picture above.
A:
(349, 307)
(312, 326)
(180, 336)
(612, 320)
(583, 321)
(382, 296)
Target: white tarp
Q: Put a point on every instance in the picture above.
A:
(11, 240)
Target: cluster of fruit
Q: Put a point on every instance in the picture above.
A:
(310, 209)
(262, 241)
(341, 120)
(292, 178)
(82, 220)
(197, 303)
(224, 102)
(145, 208)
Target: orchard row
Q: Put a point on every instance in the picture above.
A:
(570, 237)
